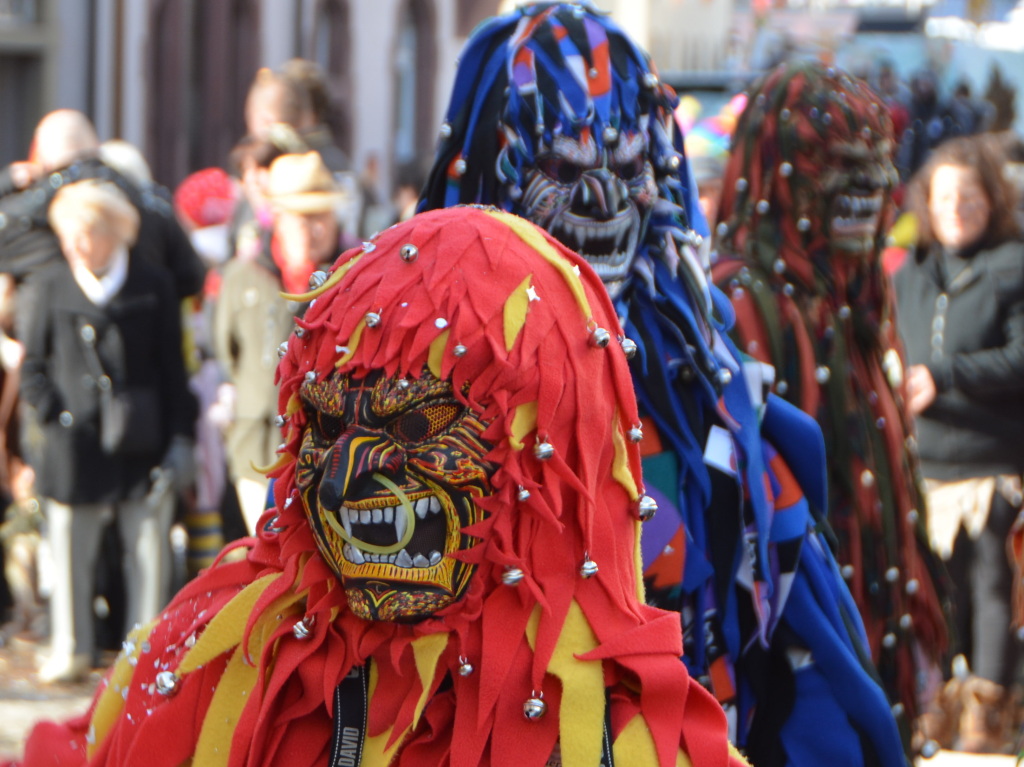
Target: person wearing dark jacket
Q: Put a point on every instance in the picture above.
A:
(961, 308)
(66, 151)
(104, 337)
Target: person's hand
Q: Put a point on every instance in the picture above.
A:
(920, 389)
(178, 467)
(24, 174)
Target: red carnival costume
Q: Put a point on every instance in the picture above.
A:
(450, 575)
(805, 208)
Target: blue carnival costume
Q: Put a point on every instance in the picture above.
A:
(557, 116)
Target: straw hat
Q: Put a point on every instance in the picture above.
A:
(301, 183)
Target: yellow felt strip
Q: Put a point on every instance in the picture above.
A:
(230, 697)
(330, 282)
(581, 716)
(620, 464)
(277, 464)
(353, 344)
(427, 650)
(225, 630)
(531, 627)
(514, 314)
(635, 747)
(735, 754)
(524, 420)
(638, 562)
(375, 750)
(532, 236)
(436, 354)
(111, 700)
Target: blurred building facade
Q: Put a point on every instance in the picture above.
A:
(171, 75)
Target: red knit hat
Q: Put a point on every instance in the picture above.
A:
(205, 198)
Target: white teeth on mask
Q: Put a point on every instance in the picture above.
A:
(388, 515)
(401, 523)
(401, 559)
(353, 555)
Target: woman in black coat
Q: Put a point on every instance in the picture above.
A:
(100, 331)
(961, 314)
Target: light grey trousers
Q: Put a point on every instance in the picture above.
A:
(75, 533)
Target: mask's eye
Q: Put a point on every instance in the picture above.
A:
(630, 169)
(558, 169)
(425, 423)
(326, 427)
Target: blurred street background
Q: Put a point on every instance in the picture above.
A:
(172, 77)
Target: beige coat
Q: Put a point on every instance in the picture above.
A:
(250, 322)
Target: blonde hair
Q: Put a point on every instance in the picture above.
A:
(95, 206)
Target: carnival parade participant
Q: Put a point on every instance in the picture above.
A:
(557, 116)
(806, 206)
(449, 574)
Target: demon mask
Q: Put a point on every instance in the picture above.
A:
(388, 469)
(811, 176)
(586, 146)
(593, 200)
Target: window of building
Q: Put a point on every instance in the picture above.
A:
(15, 12)
(330, 49)
(414, 67)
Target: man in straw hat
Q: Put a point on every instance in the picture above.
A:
(252, 318)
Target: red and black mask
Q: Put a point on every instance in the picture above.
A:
(388, 470)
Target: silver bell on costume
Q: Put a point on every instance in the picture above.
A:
(534, 708)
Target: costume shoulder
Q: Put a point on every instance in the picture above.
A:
(175, 692)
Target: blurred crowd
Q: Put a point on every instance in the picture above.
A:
(140, 327)
(139, 399)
